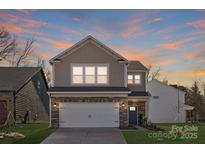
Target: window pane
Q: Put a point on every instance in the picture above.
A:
(90, 79)
(102, 79)
(102, 70)
(77, 70)
(137, 77)
(130, 79)
(77, 79)
(89, 70)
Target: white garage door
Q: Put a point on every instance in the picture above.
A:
(102, 114)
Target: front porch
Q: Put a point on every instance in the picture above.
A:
(133, 111)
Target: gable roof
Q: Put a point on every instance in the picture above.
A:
(159, 82)
(136, 65)
(80, 43)
(14, 78)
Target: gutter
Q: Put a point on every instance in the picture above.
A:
(95, 92)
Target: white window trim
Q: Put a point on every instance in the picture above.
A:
(89, 84)
(133, 79)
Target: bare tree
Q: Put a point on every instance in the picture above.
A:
(152, 74)
(155, 74)
(47, 72)
(148, 76)
(27, 50)
(7, 44)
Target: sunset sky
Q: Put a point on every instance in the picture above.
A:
(173, 40)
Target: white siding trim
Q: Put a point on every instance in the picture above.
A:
(53, 74)
(50, 111)
(125, 75)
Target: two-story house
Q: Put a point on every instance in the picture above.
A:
(96, 87)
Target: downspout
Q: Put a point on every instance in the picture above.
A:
(14, 101)
(50, 110)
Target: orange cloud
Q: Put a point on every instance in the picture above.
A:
(43, 54)
(13, 28)
(133, 25)
(164, 62)
(199, 72)
(198, 23)
(202, 61)
(55, 43)
(172, 45)
(70, 31)
(191, 55)
(20, 25)
(146, 57)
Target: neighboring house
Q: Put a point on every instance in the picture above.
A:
(23, 91)
(96, 87)
(167, 104)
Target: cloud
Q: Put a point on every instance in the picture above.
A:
(202, 61)
(56, 44)
(173, 45)
(164, 62)
(25, 22)
(200, 72)
(17, 24)
(198, 23)
(13, 28)
(147, 57)
(26, 11)
(194, 55)
(77, 19)
(43, 54)
(133, 25)
(157, 19)
(70, 31)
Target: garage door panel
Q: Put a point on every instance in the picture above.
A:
(89, 114)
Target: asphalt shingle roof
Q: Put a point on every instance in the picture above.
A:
(139, 93)
(136, 65)
(88, 89)
(13, 78)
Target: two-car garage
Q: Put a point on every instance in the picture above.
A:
(89, 114)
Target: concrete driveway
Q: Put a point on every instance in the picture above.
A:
(85, 136)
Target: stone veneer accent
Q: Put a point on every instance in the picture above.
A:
(123, 107)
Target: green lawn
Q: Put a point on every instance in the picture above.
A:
(146, 136)
(35, 133)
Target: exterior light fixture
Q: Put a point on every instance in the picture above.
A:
(123, 104)
(54, 105)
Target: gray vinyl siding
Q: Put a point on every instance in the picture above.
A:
(138, 87)
(88, 54)
(42, 89)
(28, 99)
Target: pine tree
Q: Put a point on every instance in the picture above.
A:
(196, 100)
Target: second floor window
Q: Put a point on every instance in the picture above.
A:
(90, 74)
(134, 79)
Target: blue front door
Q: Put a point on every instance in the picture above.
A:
(133, 115)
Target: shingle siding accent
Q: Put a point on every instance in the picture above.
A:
(28, 100)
